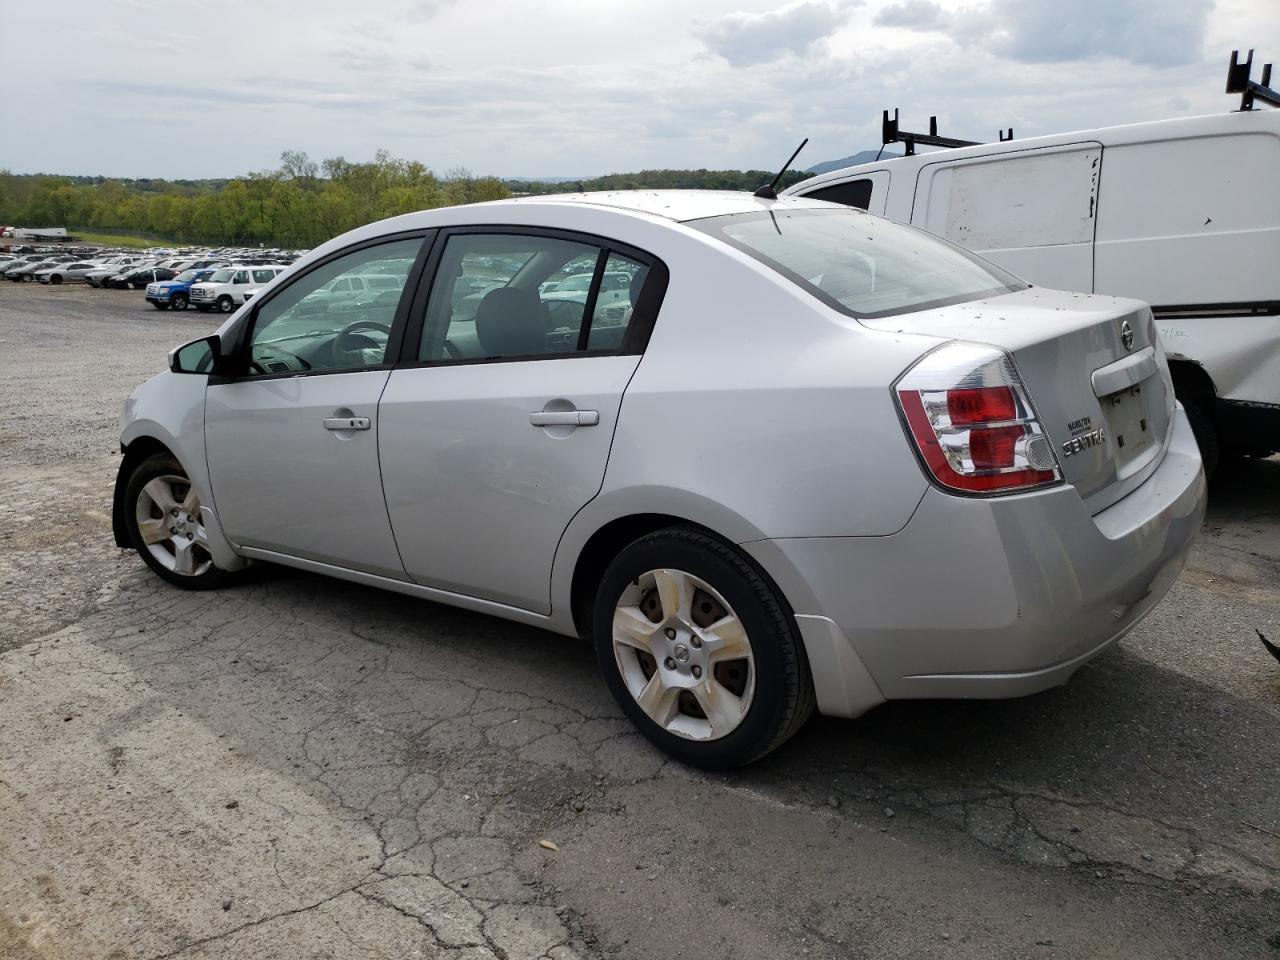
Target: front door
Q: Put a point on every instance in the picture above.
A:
(292, 441)
(497, 429)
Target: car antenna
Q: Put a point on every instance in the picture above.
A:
(770, 190)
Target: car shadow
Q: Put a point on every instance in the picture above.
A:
(1121, 731)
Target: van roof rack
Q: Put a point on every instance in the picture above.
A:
(1238, 81)
(890, 132)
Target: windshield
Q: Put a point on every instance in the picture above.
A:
(220, 276)
(186, 275)
(861, 264)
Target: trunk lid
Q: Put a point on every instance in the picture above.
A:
(1094, 369)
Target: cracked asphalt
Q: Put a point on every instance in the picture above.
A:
(299, 767)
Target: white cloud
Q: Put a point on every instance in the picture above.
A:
(745, 39)
(563, 88)
(912, 15)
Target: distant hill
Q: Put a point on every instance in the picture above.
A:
(863, 156)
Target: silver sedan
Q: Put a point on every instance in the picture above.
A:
(65, 273)
(819, 460)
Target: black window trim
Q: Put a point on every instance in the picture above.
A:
(816, 193)
(241, 335)
(634, 341)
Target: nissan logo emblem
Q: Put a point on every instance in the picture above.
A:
(1126, 335)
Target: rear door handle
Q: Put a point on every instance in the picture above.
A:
(564, 418)
(346, 423)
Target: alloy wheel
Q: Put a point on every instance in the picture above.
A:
(683, 654)
(168, 516)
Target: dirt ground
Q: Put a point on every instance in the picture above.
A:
(299, 767)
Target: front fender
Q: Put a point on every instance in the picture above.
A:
(168, 411)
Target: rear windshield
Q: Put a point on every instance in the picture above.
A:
(860, 264)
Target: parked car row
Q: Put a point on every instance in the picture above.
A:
(220, 279)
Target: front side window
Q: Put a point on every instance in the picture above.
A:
(862, 265)
(310, 325)
(498, 296)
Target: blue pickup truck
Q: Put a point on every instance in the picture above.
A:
(175, 293)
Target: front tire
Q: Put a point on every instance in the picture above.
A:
(159, 306)
(700, 649)
(178, 301)
(225, 304)
(162, 515)
(55, 279)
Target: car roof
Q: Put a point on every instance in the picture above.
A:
(677, 205)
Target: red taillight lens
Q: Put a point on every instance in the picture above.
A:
(981, 405)
(993, 448)
(977, 439)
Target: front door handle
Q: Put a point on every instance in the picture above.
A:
(346, 423)
(564, 418)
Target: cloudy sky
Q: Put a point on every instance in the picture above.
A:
(574, 88)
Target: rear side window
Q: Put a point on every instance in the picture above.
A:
(525, 296)
(263, 276)
(859, 264)
(855, 193)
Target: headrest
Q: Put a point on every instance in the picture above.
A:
(637, 284)
(511, 322)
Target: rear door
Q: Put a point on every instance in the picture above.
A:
(1032, 211)
(496, 429)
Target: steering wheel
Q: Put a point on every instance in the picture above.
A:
(357, 343)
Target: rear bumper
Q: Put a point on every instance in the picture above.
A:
(992, 597)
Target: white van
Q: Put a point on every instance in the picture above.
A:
(225, 288)
(1184, 214)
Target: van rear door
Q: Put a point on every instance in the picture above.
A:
(1031, 211)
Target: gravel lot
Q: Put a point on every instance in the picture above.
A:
(299, 767)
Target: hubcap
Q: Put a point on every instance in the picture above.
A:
(683, 654)
(168, 515)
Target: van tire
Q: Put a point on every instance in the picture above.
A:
(1206, 432)
(225, 304)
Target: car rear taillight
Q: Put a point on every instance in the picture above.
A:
(972, 422)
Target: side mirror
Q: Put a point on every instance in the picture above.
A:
(198, 356)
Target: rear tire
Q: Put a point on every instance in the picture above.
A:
(687, 625)
(159, 502)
